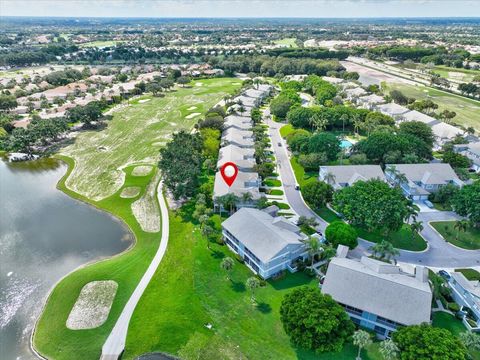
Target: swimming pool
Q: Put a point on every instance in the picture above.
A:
(345, 144)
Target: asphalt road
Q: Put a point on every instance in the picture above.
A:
(438, 254)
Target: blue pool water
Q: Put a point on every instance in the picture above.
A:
(345, 144)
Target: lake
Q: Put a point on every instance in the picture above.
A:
(44, 235)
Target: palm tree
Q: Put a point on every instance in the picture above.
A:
(252, 284)
(313, 246)
(357, 123)
(384, 250)
(256, 82)
(388, 349)
(207, 232)
(247, 197)
(362, 339)
(327, 252)
(318, 122)
(241, 109)
(416, 227)
(460, 225)
(329, 178)
(227, 265)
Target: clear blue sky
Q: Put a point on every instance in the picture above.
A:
(244, 8)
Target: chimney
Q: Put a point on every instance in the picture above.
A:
(421, 273)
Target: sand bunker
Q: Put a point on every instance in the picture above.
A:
(93, 305)
(192, 115)
(198, 84)
(143, 101)
(191, 108)
(142, 170)
(130, 192)
(146, 209)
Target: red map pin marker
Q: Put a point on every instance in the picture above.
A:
(229, 172)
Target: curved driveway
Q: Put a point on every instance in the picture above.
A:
(438, 254)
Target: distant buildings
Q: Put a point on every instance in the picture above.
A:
(378, 295)
(267, 243)
(420, 180)
(467, 294)
(341, 176)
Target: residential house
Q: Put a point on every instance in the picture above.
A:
(268, 244)
(341, 176)
(333, 80)
(353, 94)
(246, 182)
(396, 111)
(376, 295)
(467, 294)
(237, 121)
(242, 138)
(471, 151)
(370, 101)
(443, 132)
(242, 157)
(418, 181)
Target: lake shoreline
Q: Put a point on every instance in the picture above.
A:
(61, 186)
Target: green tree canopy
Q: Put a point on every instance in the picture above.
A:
(424, 342)
(326, 143)
(181, 164)
(314, 320)
(373, 205)
(466, 202)
(340, 233)
(317, 193)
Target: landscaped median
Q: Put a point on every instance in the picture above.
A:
(468, 238)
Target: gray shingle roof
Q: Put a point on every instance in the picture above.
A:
(392, 109)
(265, 236)
(395, 296)
(351, 173)
(242, 157)
(245, 182)
(432, 173)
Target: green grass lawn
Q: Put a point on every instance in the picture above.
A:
(303, 177)
(189, 289)
(131, 138)
(273, 182)
(275, 192)
(289, 42)
(401, 239)
(470, 274)
(467, 240)
(464, 75)
(467, 109)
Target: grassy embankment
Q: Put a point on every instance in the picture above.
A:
(469, 239)
(401, 239)
(100, 166)
(467, 109)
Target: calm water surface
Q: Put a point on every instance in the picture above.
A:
(44, 234)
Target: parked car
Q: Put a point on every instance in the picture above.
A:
(297, 187)
(279, 144)
(428, 203)
(444, 274)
